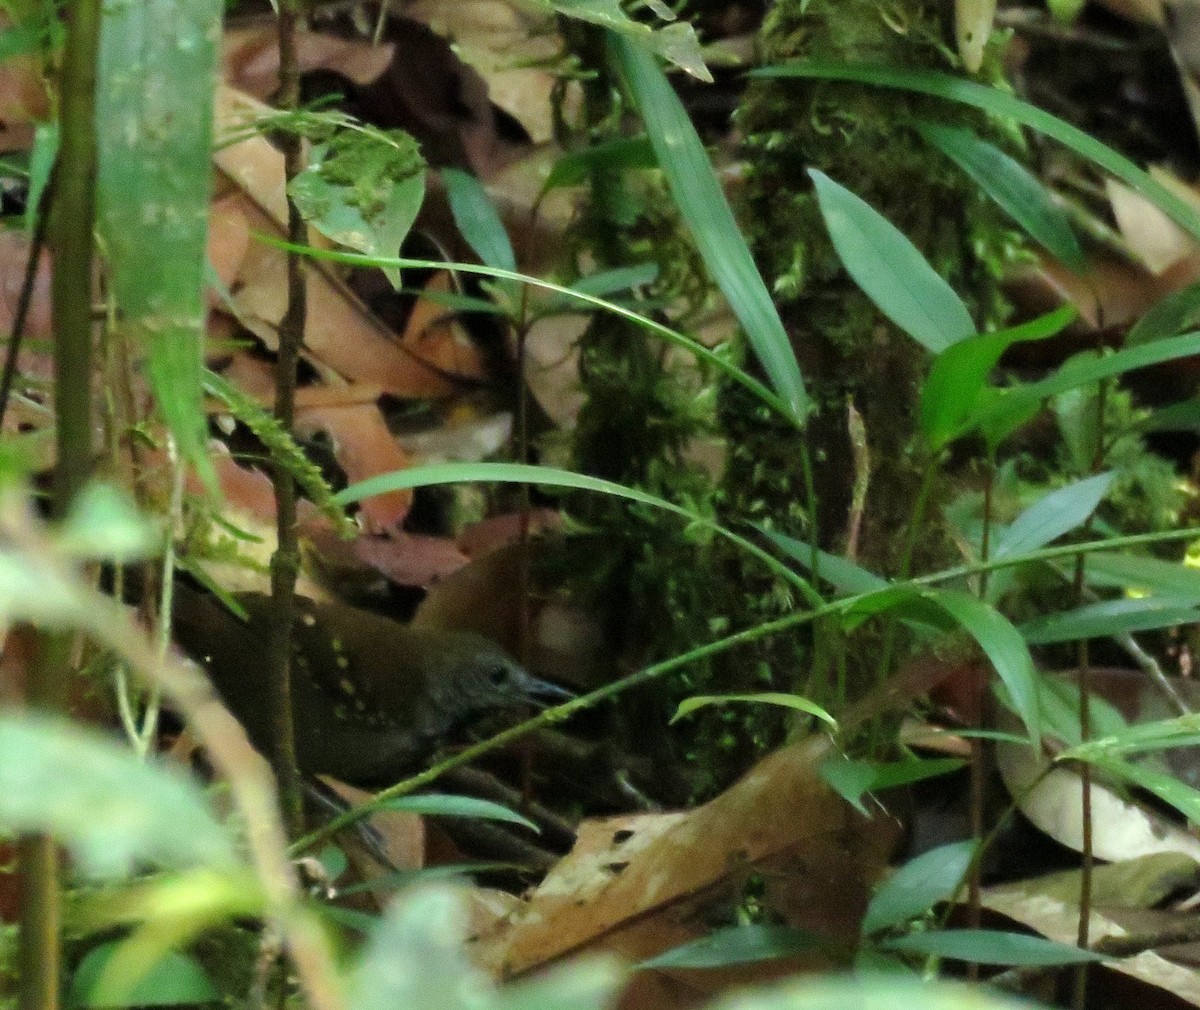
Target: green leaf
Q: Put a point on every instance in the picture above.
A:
(1012, 186)
(104, 524)
(738, 945)
(607, 282)
(1004, 648)
(988, 946)
(702, 205)
(1109, 618)
(718, 361)
(1168, 317)
(1053, 515)
(620, 155)
(477, 220)
(1002, 104)
(845, 576)
(1171, 790)
(363, 188)
(952, 391)
(111, 810)
(1162, 734)
(447, 805)
(890, 269)
(157, 64)
(177, 978)
(675, 43)
(918, 885)
(852, 779)
(1006, 408)
(518, 473)
(1143, 575)
(41, 163)
(793, 701)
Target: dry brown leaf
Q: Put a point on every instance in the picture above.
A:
(363, 447)
(410, 559)
(505, 43)
(636, 885)
(250, 57)
(228, 239)
(434, 336)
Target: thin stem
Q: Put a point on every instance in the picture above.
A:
(40, 948)
(25, 299)
(285, 562)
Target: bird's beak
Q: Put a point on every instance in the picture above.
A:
(544, 694)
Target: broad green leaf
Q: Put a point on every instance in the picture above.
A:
(112, 811)
(620, 155)
(477, 220)
(1012, 186)
(519, 473)
(988, 946)
(584, 983)
(104, 524)
(952, 390)
(918, 885)
(675, 43)
(1111, 617)
(853, 779)
(1182, 416)
(1002, 104)
(738, 945)
(845, 576)
(448, 805)
(1171, 315)
(702, 205)
(363, 188)
(1005, 409)
(157, 65)
(1004, 648)
(793, 701)
(177, 978)
(1053, 515)
(29, 33)
(890, 269)
(1143, 575)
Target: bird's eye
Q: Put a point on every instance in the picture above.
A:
(498, 676)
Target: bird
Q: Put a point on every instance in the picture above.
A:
(372, 698)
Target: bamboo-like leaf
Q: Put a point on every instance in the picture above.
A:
(890, 269)
(998, 103)
(476, 217)
(792, 701)
(738, 945)
(705, 211)
(1054, 514)
(1109, 618)
(919, 885)
(987, 946)
(1012, 186)
(520, 473)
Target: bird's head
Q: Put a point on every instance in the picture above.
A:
(477, 676)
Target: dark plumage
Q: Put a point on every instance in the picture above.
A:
(372, 698)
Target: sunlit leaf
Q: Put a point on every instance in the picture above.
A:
(792, 701)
